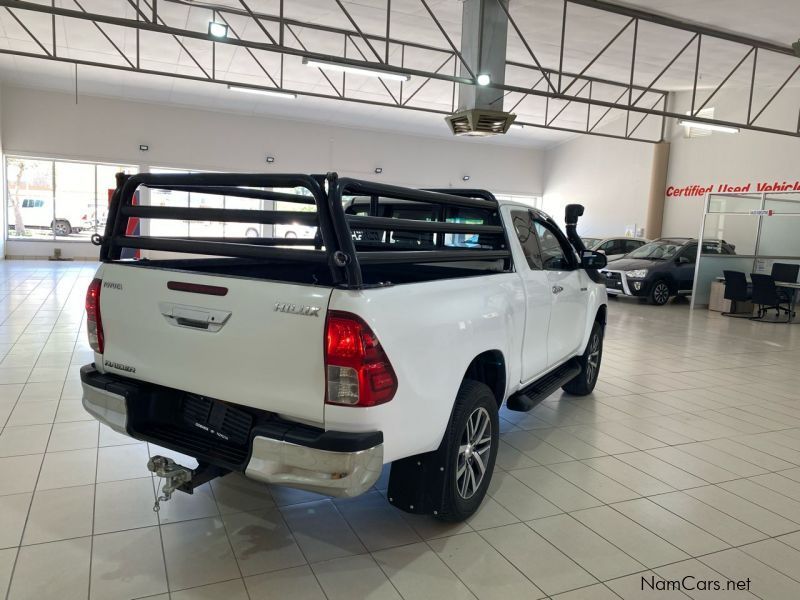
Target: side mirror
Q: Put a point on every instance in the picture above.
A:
(682, 260)
(601, 251)
(593, 260)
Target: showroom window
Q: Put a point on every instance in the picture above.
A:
(213, 229)
(50, 199)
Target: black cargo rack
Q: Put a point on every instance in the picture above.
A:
(338, 241)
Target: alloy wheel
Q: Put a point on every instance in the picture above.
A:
(661, 293)
(593, 360)
(473, 453)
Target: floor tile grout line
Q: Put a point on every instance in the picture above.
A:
(305, 558)
(793, 577)
(227, 537)
(548, 542)
(27, 517)
(664, 445)
(94, 507)
(797, 522)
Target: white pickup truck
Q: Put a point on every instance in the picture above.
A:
(393, 336)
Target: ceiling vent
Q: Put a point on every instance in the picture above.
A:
(480, 122)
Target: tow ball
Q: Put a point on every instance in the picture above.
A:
(178, 477)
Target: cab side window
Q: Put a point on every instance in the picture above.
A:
(554, 258)
(631, 245)
(523, 226)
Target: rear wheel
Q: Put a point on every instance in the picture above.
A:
(584, 383)
(62, 227)
(659, 293)
(469, 450)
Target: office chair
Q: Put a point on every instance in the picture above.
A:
(736, 290)
(785, 272)
(766, 296)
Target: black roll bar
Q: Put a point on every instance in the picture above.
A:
(334, 244)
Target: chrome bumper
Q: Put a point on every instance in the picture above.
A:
(106, 407)
(342, 474)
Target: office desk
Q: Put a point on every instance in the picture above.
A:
(793, 287)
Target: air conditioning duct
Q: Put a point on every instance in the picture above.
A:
(484, 31)
(480, 122)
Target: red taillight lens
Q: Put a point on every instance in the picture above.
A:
(94, 325)
(358, 371)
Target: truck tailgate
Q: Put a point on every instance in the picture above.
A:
(251, 342)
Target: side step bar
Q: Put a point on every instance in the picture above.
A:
(531, 395)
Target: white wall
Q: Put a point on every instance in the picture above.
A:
(50, 124)
(736, 159)
(610, 177)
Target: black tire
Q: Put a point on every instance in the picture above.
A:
(659, 293)
(475, 404)
(62, 227)
(590, 360)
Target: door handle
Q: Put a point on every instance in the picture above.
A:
(557, 289)
(196, 317)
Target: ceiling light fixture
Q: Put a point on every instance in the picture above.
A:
(484, 79)
(270, 159)
(342, 68)
(465, 178)
(378, 170)
(217, 30)
(261, 91)
(708, 126)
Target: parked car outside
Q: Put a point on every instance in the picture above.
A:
(659, 270)
(69, 217)
(614, 247)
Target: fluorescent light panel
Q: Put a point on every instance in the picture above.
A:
(708, 126)
(261, 92)
(333, 66)
(218, 30)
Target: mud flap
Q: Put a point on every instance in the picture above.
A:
(416, 483)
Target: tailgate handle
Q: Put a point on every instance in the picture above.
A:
(195, 317)
(197, 324)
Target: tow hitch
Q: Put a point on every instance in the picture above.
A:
(178, 477)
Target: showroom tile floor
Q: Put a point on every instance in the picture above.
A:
(684, 462)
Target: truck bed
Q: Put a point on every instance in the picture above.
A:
(316, 274)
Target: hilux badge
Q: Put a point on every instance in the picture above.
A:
(297, 309)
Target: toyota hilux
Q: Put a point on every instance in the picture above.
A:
(393, 335)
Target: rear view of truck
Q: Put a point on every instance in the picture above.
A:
(231, 355)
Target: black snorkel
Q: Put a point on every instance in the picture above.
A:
(590, 261)
(571, 215)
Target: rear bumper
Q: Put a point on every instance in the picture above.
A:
(269, 449)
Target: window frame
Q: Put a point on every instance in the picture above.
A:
(40, 203)
(566, 247)
(522, 211)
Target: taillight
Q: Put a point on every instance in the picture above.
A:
(358, 371)
(94, 326)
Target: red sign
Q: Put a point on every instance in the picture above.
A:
(696, 190)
